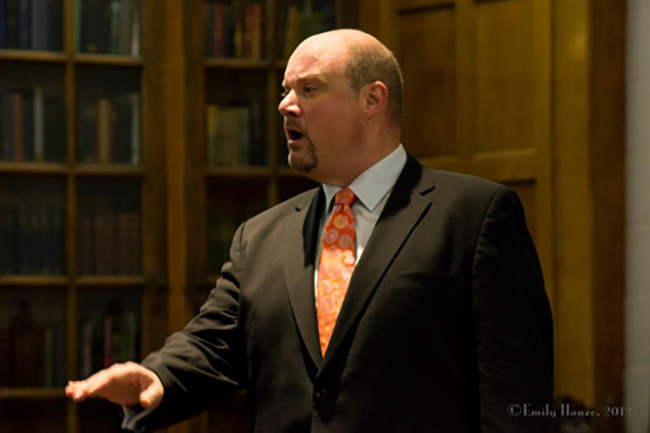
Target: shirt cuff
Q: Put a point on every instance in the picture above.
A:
(133, 415)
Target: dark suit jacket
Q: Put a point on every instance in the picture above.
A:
(445, 324)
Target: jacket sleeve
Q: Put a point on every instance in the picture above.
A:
(514, 326)
(202, 364)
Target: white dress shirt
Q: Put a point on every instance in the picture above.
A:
(372, 188)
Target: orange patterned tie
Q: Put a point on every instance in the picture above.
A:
(336, 264)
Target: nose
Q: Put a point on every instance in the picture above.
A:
(289, 105)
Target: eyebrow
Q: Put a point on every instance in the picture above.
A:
(310, 77)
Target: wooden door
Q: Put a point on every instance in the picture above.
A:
(529, 93)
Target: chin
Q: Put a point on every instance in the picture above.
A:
(302, 163)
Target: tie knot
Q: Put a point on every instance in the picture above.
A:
(345, 196)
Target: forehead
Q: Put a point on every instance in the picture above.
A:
(314, 61)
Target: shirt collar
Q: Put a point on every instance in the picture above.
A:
(374, 183)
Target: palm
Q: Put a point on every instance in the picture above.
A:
(124, 384)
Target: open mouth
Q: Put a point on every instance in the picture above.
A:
(293, 135)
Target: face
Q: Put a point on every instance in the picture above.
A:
(322, 115)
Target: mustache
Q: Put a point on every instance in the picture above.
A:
(288, 124)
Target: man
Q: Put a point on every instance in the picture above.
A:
(394, 298)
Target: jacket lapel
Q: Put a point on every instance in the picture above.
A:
(402, 212)
(301, 237)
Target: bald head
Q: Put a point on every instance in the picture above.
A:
(363, 60)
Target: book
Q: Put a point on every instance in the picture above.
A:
(87, 119)
(6, 126)
(126, 30)
(11, 29)
(10, 239)
(209, 34)
(54, 18)
(212, 117)
(7, 358)
(292, 30)
(48, 357)
(53, 129)
(237, 26)
(28, 125)
(78, 25)
(135, 129)
(40, 23)
(115, 26)
(3, 23)
(18, 125)
(87, 338)
(24, 25)
(28, 346)
(86, 246)
(219, 27)
(56, 238)
(253, 31)
(39, 124)
(135, 39)
(103, 131)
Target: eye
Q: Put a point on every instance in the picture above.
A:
(310, 89)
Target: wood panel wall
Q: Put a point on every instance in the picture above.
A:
(529, 93)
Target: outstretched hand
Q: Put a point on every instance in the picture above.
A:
(124, 384)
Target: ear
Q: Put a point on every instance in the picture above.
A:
(374, 98)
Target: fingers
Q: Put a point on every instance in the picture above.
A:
(76, 391)
(81, 390)
(128, 383)
(153, 393)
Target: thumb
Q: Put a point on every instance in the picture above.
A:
(152, 395)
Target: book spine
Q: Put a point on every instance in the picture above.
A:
(24, 25)
(39, 120)
(18, 124)
(108, 341)
(257, 30)
(24, 239)
(86, 350)
(79, 26)
(219, 15)
(103, 131)
(7, 358)
(87, 249)
(28, 367)
(135, 243)
(292, 30)
(3, 24)
(135, 129)
(6, 126)
(10, 239)
(115, 25)
(135, 40)
(212, 116)
(238, 31)
(28, 127)
(54, 18)
(12, 24)
(48, 357)
(244, 133)
(208, 28)
(126, 28)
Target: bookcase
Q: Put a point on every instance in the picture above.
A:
(236, 61)
(87, 238)
(81, 240)
(238, 157)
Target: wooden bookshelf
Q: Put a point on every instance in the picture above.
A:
(166, 181)
(45, 291)
(223, 195)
